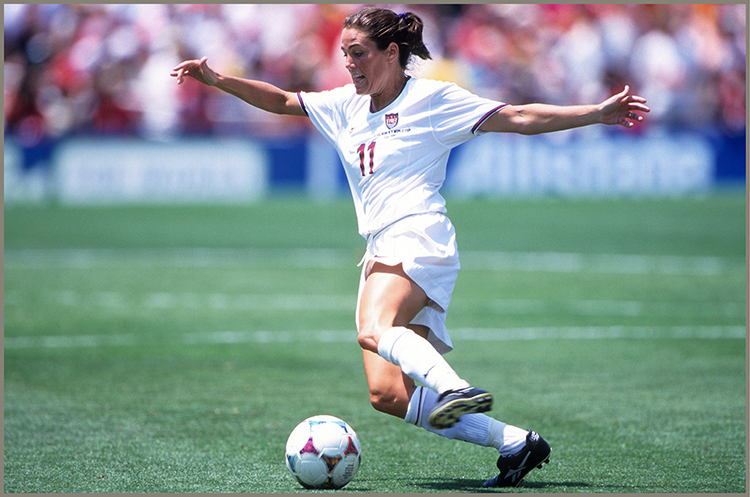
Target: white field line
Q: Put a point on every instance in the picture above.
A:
(66, 341)
(598, 333)
(600, 263)
(625, 308)
(279, 302)
(187, 300)
(194, 257)
(349, 336)
(305, 303)
(337, 258)
(489, 334)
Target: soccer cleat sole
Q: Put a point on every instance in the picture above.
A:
(514, 470)
(492, 482)
(449, 414)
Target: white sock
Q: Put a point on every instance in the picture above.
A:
(472, 428)
(510, 440)
(418, 359)
(478, 429)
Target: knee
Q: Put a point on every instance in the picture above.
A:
(369, 336)
(367, 342)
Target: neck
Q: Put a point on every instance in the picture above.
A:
(383, 99)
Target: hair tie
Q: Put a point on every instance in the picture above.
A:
(402, 16)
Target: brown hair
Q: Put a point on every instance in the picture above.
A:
(384, 27)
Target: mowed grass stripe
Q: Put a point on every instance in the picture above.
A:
(345, 336)
(335, 258)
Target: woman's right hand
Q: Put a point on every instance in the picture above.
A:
(196, 69)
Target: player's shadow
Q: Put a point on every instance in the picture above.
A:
(475, 486)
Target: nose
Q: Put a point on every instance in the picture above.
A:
(349, 62)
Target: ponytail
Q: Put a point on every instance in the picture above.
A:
(413, 44)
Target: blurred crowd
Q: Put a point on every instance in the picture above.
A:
(104, 69)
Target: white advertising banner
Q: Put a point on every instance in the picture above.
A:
(137, 171)
(513, 165)
(213, 170)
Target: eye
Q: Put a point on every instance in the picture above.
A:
(354, 53)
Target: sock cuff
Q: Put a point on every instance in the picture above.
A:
(472, 428)
(414, 411)
(495, 434)
(388, 340)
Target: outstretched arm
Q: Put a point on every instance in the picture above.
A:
(623, 109)
(262, 95)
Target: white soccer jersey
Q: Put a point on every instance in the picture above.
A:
(395, 159)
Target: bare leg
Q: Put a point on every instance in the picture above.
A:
(390, 389)
(390, 298)
(389, 302)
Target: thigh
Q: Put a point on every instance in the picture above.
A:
(389, 298)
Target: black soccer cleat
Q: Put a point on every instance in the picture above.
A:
(513, 469)
(453, 404)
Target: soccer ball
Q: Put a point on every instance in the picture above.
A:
(323, 452)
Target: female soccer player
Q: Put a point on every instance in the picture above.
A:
(393, 133)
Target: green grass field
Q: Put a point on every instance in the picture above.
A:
(173, 349)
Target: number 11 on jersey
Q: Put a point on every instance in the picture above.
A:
(361, 151)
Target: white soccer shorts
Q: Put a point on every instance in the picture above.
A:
(426, 246)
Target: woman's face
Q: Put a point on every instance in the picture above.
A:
(371, 69)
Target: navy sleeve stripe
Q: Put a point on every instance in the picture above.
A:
(302, 103)
(485, 117)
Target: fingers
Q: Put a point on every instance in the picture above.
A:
(635, 102)
(180, 76)
(184, 64)
(633, 105)
(639, 107)
(180, 71)
(186, 69)
(632, 115)
(631, 118)
(635, 117)
(625, 97)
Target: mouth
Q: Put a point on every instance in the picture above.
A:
(358, 79)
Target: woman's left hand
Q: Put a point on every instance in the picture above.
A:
(623, 109)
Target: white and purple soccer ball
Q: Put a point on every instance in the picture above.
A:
(323, 452)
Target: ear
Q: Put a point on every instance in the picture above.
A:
(392, 52)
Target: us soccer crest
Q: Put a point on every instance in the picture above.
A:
(391, 120)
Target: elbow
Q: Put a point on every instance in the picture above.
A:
(513, 119)
(523, 124)
(277, 106)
